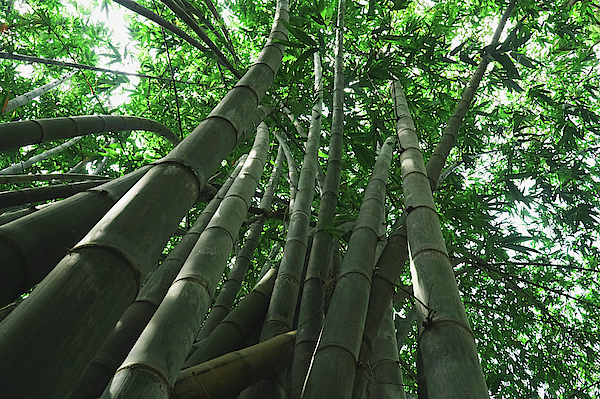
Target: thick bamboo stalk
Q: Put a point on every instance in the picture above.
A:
(292, 171)
(13, 179)
(152, 366)
(450, 133)
(39, 194)
(25, 98)
(447, 343)
(312, 304)
(21, 166)
(238, 325)
(32, 245)
(16, 134)
(231, 286)
(111, 261)
(202, 35)
(282, 307)
(388, 382)
(385, 278)
(335, 360)
(136, 317)
(236, 370)
(46, 61)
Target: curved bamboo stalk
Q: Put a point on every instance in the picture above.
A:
(282, 307)
(13, 179)
(152, 366)
(450, 133)
(385, 278)
(238, 325)
(38, 194)
(388, 382)
(25, 98)
(202, 35)
(236, 370)
(111, 261)
(335, 360)
(449, 355)
(231, 286)
(32, 245)
(292, 171)
(64, 64)
(118, 344)
(16, 134)
(312, 304)
(21, 166)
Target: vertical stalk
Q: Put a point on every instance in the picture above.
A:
(447, 343)
(292, 170)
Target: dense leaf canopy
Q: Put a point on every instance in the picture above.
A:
(518, 200)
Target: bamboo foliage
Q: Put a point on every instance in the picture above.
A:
(152, 366)
(136, 317)
(310, 317)
(111, 261)
(16, 134)
(21, 166)
(446, 342)
(25, 98)
(232, 285)
(236, 370)
(335, 360)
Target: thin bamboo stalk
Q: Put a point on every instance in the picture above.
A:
(385, 278)
(16, 134)
(236, 370)
(312, 304)
(335, 360)
(152, 366)
(118, 344)
(231, 286)
(450, 133)
(25, 98)
(238, 325)
(447, 344)
(21, 166)
(388, 382)
(222, 25)
(39, 194)
(282, 307)
(292, 171)
(32, 245)
(111, 261)
(13, 179)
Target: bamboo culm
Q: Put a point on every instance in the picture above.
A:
(25, 98)
(21, 166)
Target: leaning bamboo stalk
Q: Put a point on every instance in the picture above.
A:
(32, 245)
(118, 344)
(152, 366)
(111, 261)
(311, 314)
(335, 360)
(447, 342)
(222, 25)
(449, 135)
(21, 166)
(238, 325)
(13, 179)
(25, 98)
(292, 170)
(39, 194)
(388, 382)
(231, 286)
(234, 371)
(16, 134)
(282, 307)
(385, 278)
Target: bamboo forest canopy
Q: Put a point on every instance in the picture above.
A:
(517, 200)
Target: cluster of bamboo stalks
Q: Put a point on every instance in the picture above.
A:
(102, 323)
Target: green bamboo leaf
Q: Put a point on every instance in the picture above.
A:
(288, 43)
(302, 59)
(300, 35)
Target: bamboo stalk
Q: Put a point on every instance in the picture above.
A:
(447, 344)
(118, 344)
(292, 171)
(21, 166)
(333, 370)
(25, 98)
(13, 179)
(236, 370)
(16, 134)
